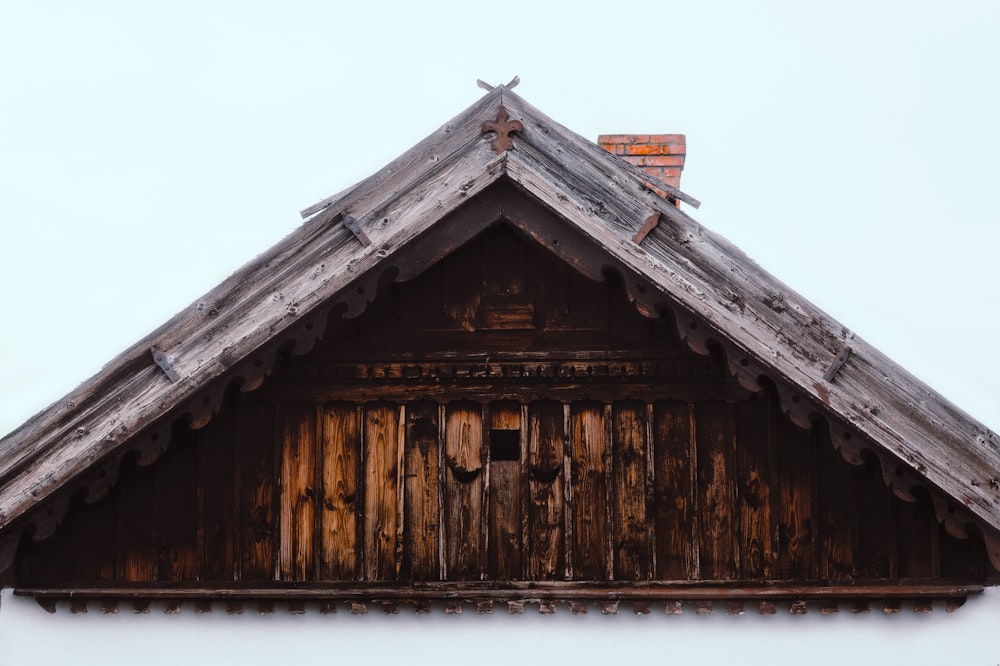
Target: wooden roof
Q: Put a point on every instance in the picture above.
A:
(596, 207)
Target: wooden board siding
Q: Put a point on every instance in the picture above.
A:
(554, 439)
(381, 482)
(626, 491)
(755, 428)
(716, 460)
(256, 482)
(589, 491)
(464, 482)
(505, 535)
(675, 496)
(546, 484)
(340, 448)
(629, 526)
(422, 501)
(217, 499)
(298, 490)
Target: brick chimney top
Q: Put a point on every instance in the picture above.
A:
(660, 155)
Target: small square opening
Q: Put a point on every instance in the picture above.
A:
(505, 444)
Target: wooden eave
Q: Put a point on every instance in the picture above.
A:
(643, 598)
(718, 297)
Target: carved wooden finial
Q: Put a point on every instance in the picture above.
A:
(487, 87)
(503, 129)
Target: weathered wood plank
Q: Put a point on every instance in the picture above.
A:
(676, 491)
(464, 490)
(718, 549)
(589, 447)
(381, 485)
(836, 522)
(505, 538)
(437, 149)
(297, 506)
(963, 559)
(49, 563)
(631, 547)
(93, 548)
(255, 453)
(545, 484)
(341, 455)
(916, 538)
(755, 433)
(793, 496)
(217, 494)
(876, 526)
(175, 509)
(134, 498)
(422, 504)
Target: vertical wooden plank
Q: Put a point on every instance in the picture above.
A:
(836, 517)
(380, 481)
(963, 558)
(716, 441)
(217, 494)
(591, 557)
(49, 563)
(917, 532)
(504, 512)
(569, 502)
(297, 502)
(93, 549)
(422, 489)
(464, 487)
(134, 495)
(675, 491)
(755, 422)
(255, 451)
(400, 490)
(341, 453)
(876, 527)
(795, 452)
(175, 508)
(545, 487)
(631, 549)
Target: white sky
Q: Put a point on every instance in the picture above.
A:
(147, 150)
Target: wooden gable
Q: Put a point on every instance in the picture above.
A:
(501, 375)
(502, 429)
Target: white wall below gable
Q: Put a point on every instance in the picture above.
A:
(30, 636)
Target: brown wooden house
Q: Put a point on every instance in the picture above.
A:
(508, 368)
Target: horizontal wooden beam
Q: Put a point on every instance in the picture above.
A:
(585, 591)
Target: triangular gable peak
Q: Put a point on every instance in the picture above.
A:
(581, 204)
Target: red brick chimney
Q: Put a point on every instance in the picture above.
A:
(660, 155)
